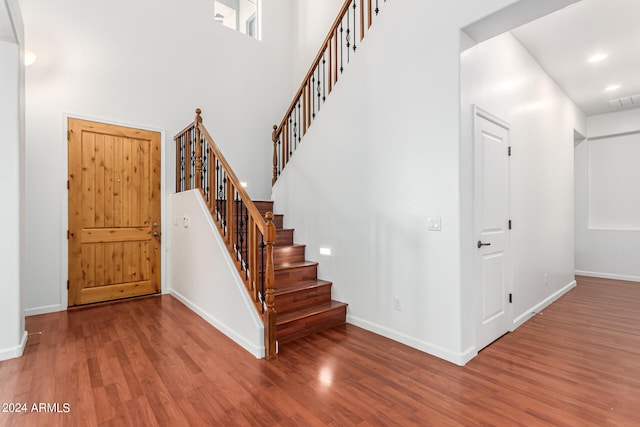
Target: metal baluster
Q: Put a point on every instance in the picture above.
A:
(355, 27)
(300, 121)
(290, 131)
(313, 98)
(318, 89)
(341, 61)
(377, 8)
(324, 76)
(348, 37)
(182, 155)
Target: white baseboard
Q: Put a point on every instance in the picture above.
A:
(518, 321)
(257, 351)
(13, 352)
(608, 276)
(42, 310)
(459, 359)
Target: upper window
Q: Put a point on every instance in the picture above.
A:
(239, 15)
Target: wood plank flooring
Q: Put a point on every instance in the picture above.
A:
(153, 362)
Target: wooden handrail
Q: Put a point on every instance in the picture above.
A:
(237, 218)
(321, 78)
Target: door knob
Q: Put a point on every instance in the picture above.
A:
(155, 234)
(480, 244)
(155, 224)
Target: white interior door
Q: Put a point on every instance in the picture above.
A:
(493, 265)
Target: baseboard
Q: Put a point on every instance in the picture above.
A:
(608, 276)
(13, 352)
(257, 351)
(517, 322)
(43, 310)
(459, 359)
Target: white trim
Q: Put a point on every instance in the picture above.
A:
(608, 276)
(64, 204)
(517, 322)
(257, 351)
(459, 359)
(43, 310)
(17, 351)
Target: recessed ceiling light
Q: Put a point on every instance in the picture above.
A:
(598, 57)
(612, 88)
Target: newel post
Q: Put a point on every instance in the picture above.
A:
(270, 312)
(274, 138)
(198, 177)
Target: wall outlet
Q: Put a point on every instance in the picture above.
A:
(546, 279)
(396, 304)
(434, 223)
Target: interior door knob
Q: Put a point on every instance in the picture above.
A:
(155, 234)
(480, 244)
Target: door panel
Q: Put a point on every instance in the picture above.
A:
(491, 162)
(114, 212)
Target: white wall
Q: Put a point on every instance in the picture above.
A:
(12, 333)
(149, 65)
(501, 77)
(605, 251)
(204, 277)
(381, 157)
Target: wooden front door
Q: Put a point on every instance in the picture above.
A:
(114, 212)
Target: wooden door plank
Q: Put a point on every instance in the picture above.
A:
(103, 235)
(126, 186)
(99, 180)
(109, 181)
(136, 194)
(118, 165)
(88, 179)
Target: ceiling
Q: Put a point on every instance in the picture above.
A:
(563, 42)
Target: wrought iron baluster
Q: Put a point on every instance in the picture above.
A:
(290, 131)
(318, 89)
(182, 166)
(324, 76)
(300, 121)
(377, 8)
(313, 98)
(355, 27)
(341, 57)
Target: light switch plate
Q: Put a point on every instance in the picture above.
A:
(434, 223)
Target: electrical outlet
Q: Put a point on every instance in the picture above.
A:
(546, 280)
(396, 304)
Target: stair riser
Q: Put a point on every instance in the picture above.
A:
(308, 325)
(264, 206)
(288, 254)
(295, 275)
(303, 298)
(284, 237)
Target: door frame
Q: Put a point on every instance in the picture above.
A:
(64, 205)
(481, 112)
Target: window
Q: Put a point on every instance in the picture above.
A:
(239, 15)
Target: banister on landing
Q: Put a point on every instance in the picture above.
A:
(349, 28)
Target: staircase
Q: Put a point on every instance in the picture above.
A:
(303, 302)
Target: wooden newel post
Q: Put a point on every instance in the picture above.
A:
(198, 177)
(274, 138)
(270, 312)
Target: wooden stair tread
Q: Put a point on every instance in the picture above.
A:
(292, 265)
(308, 284)
(292, 316)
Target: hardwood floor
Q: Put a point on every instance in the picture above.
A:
(153, 362)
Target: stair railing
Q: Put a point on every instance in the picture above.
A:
(248, 236)
(353, 21)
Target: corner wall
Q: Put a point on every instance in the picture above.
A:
(501, 77)
(12, 333)
(609, 252)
